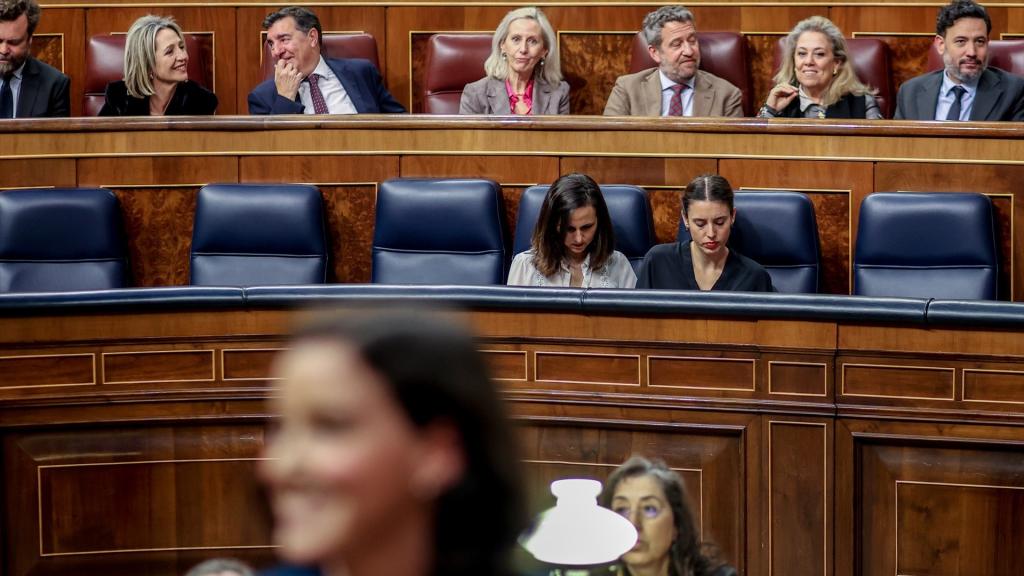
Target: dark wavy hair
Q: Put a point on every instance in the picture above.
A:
(950, 13)
(305, 20)
(566, 194)
(435, 374)
(709, 187)
(11, 10)
(689, 557)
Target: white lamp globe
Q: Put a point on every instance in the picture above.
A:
(578, 532)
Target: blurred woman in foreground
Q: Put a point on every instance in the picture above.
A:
(393, 455)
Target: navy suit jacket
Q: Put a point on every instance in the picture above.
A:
(44, 91)
(1000, 96)
(359, 77)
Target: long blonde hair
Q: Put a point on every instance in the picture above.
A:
(844, 82)
(548, 70)
(140, 53)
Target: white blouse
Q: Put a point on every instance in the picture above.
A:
(617, 272)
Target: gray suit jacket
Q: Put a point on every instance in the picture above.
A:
(44, 91)
(1000, 96)
(639, 94)
(488, 96)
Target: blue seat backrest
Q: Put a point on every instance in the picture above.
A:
(926, 245)
(258, 234)
(61, 239)
(439, 231)
(778, 230)
(627, 205)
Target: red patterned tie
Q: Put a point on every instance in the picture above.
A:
(675, 104)
(319, 105)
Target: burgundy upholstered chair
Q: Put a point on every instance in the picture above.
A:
(871, 60)
(359, 45)
(1006, 55)
(104, 63)
(453, 60)
(723, 54)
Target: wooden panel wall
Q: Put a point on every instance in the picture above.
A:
(808, 447)
(594, 39)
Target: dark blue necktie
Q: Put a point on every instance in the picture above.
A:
(6, 98)
(958, 96)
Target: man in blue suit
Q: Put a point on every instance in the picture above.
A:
(307, 83)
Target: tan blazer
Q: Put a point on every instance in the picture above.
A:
(639, 94)
(488, 96)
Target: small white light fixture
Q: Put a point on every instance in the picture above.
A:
(578, 532)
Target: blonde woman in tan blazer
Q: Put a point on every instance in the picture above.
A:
(523, 75)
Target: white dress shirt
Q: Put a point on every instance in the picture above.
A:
(617, 272)
(337, 99)
(666, 94)
(947, 97)
(15, 88)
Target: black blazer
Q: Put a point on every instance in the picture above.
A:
(189, 99)
(44, 91)
(849, 106)
(1000, 96)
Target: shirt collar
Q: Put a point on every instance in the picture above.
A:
(666, 83)
(323, 69)
(805, 100)
(19, 70)
(948, 84)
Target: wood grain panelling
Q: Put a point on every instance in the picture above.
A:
(100, 493)
(905, 382)
(706, 373)
(590, 63)
(1002, 183)
(929, 508)
(251, 364)
(158, 366)
(588, 368)
(60, 41)
(797, 378)
(710, 463)
(42, 173)
(986, 385)
(975, 528)
(501, 169)
(829, 182)
(507, 364)
(799, 484)
(342, 18)
(46, 370)
(762, 65)
(218, 20)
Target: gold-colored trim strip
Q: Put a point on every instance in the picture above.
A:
(39, 504)
(824, 383)
(223, 364)
(526, 364)
(825, 491)
(952, 397)
(91, 355)
(639, 375)
(213, 367)
(753, 373)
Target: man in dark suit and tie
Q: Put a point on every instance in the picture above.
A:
(307, 83)
(966, 88)
(28, 88)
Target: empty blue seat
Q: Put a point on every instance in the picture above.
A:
(778, 230)
(627, 205)
(61, 239)
(926, 245)
(439, 231)
(258, 234)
